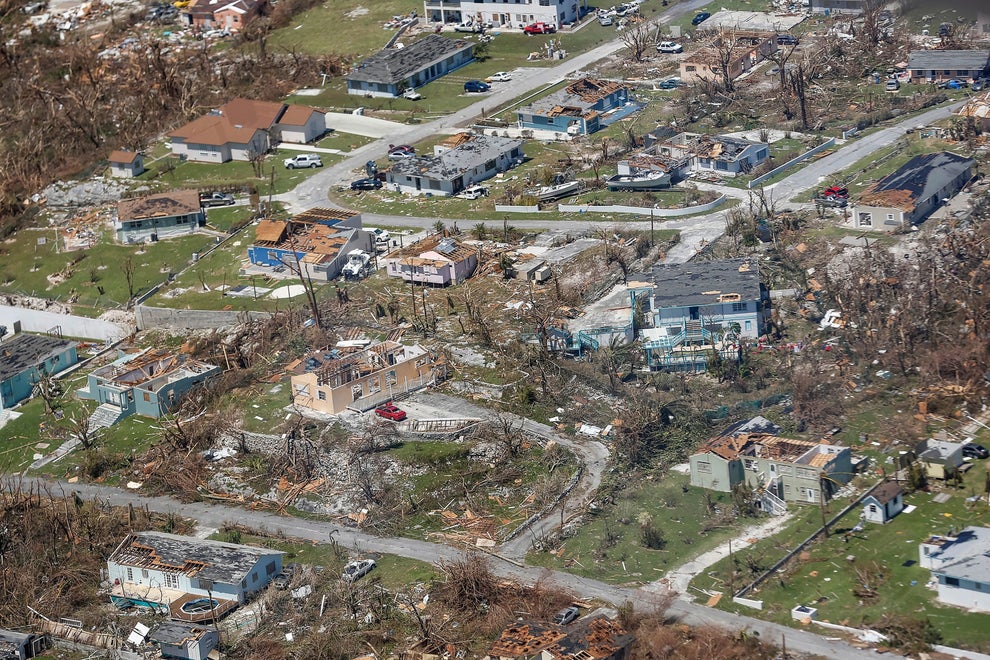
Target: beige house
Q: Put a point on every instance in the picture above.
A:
(331, 381)
(748, 50)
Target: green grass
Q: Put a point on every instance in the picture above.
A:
(901, 585)
(25, 267)
(674, 507)
(224, 218)
(343, 141)
(429, 453)
(264, 401)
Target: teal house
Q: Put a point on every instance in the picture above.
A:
(149, 382)
(24, 359)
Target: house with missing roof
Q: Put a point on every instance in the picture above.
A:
(25, 359)
(333, 380)
(222, 14)
(836, 6)
(748, 50)
(961, 565)
(125, 163)
(176, 639)
(939, 458)
(459, 162)
(977, 109)
(779, 470)
(909, 195)
(21, 646)
(589, 638)
(189, 579)
(316, 242)
(434, 261)
(499, 14)
(694, 309)
(577, 109)
(932, 66)
(154, 217)
(883, 503)
(148, 382)
(721, 154)
(391, 71)
(243, 128)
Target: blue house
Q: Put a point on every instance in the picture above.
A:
(694, 309)
(162, 215)
(578, 109)
(391, 71)
(150, 382)
(25, 358)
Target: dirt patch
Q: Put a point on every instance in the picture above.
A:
(357, 11)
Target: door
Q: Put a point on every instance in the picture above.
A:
(693, 313)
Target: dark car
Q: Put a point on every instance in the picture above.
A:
(700, 17)
(215, 199)
(476, 86)
(973, 450)
(391, 412)
(787, 40)
(366, 184)
(670, 84)
(567, 615)
(395, 148)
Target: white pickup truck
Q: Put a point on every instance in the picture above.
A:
(357, 262)
(303, 160)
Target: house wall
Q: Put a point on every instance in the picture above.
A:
(196, 650)
(19, 387)
(919, 76)
(751, 157)
(200, 153)
(416, 185)
(231, 19)
(138, 231)
(750, 319)
(307, 393)
(315, 126)
(874, 511)
(450, 273)
(877, 218)
(561, 123)
(797, 482)
(516, 15)
(271, 256)
(834, 6)
(259, 577)
(416, 79)
(127, 169)
(964, 594)
(713, 472)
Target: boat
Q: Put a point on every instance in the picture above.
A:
(556, 191)
(645, 181)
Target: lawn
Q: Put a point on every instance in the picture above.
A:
(826, 576)
(608, 546)
(225, 218)
(32, 264)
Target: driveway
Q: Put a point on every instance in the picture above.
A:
(362, 125)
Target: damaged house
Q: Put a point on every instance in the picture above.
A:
(460, 162)
(149, 382)
(908, 196)
(721, 154)
(154, 217)
(930, 66)
(578, 109)
(496, 12)
(748, 50)
(391, 71)
(189, 579)
(434, 261)
(25, 358)
(331, 381)
(592, 638)
(315, 242)
(778, 470)
(691, 310)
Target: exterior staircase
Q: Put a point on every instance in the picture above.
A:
(104, 416)
(771, 503)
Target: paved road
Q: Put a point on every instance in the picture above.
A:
(215, 515)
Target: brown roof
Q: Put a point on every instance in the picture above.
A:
(236, 121)
(592, 639)
(125, 157)
(162, 205)
(297, 115)
(320, 214)
(457, 139)
(249, 112)
(895, 199)
(457, 252)
(269, 231)
(525, 639)
(886, 492)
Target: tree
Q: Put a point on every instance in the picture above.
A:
(638, 40)
(49, 389)
(722, 46)
(80, 430)
(127, 268)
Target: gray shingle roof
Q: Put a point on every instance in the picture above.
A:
(393, 65)
(22, 352)
(952, 60)
(704, 282)
(925, 175)
(455, 162)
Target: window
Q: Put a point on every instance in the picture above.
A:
(749, 326)
(873, 508)
(690, 67)
(254, 578)
(390, 378)
(865, 219)
(171, 581)
(952, 582)
(357, 392)
(130, 574)
(890, 216)
(147, 396)
(270, 568)
(704, 468)
(739, 307)
(321, 395)
(490, 165)
(144, 573)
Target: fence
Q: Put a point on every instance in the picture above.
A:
(511, 208)
(801, 546)
(191, 319)
(791, 163)
(642, 210)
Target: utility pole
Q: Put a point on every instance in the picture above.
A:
(653, 241)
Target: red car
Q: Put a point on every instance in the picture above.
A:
(391, 412)
(539, 28)
(835, 191)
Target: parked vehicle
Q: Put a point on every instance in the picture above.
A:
(892, 85)
(473, 192)
(411, 94)
(381, 236)
(539, 28)
(356, 570)
(973, 450)
(401, 155)
(467, 27)
(605, 20)
(499, 76)
(700, 17)
(209, 199)
(303, 160)
(954, 83)
(978, 85)
(391, 411)
(476, 86)
(284, 578)
(833, 202)
(671, 83)
(787, 40)
(392, 148)
(669, 47)
(366, 184)
(567, 615)
(357, 263)
(835, 191)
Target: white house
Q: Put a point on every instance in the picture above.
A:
(961, 564)
(721, 154)
(472, 159)
(183, 640)
(126, 163)
(885, 502)
(300, 124)
(498, 13)
(939, 458)
(180, 575)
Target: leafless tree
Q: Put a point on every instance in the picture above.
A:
(639, 40)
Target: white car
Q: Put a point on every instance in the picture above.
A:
(357, 569)
(303, 160)
(474, 192)
(670, 47)
(499, 76)
(411, 94)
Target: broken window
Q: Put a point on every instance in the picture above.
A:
(390, 378)
(375, 385)
(865, 219)
(357, 391)
(302, 390)
(321, 395)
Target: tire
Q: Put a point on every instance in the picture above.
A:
(290, 166)
(313, 166)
